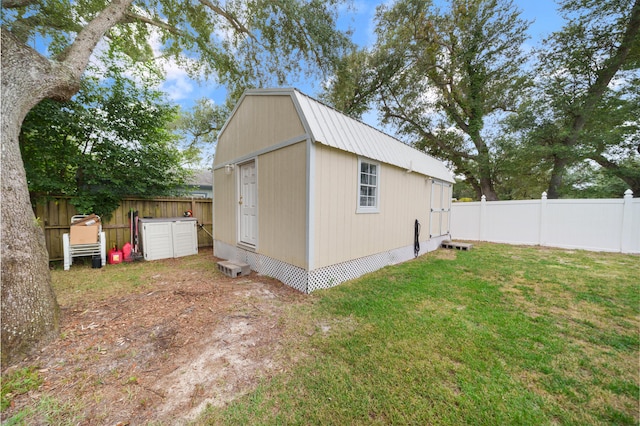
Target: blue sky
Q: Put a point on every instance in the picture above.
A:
(360, 18)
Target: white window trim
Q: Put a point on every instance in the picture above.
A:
(368, 209)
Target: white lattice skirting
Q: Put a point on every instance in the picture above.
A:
(325, 277)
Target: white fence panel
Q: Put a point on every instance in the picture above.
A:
(514, 222)
(584, 224)
(631, 240)
(594, 224)
(465, 221)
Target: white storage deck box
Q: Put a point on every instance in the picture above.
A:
(164, 238)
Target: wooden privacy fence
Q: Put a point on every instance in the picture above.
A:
(55, 218)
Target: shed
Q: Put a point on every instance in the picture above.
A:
(312, 197)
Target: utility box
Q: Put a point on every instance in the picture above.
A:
(163, 238)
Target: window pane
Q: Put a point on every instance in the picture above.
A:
(368, 185)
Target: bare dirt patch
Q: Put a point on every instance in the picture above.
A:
(195, 338)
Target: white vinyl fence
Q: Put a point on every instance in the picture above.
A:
(592, 224)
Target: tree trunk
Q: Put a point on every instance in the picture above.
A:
(30, 312)
(556, 179)
(485, 176)
(487, 189)
(29, 309)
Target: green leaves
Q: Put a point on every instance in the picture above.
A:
(107, 143)
(457, 68)
(455, 82)
(587, 90)
(199, 127)
(240, 44)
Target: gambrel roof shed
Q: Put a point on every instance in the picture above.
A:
(330, 127)
(313, 197)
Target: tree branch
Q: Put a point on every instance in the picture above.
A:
(605, 75)
(131, 17)
(426, 134)
(309, 43)
(12, 4)
(235, 23)
(76, 56)
(453, 98)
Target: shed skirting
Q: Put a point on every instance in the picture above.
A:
(325, 277)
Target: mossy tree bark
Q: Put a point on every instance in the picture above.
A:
(30, 313)
(29, 307)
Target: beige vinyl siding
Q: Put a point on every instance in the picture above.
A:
(260, 122)
(282, 204)
(224, 206)
(341, 234)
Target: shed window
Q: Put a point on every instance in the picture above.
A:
(368, 193)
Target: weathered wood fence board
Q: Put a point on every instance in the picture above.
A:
(55, 218)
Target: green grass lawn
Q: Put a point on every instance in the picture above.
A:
(497, 335)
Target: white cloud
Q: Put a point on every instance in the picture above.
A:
(177, 84)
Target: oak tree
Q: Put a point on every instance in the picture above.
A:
(588, 75)
(199, 127)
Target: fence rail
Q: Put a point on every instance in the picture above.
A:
(589, 224)
(55, 218)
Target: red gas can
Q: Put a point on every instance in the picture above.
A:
(114, 256)
(126, 252)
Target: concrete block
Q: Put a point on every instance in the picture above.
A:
(457, 246)
(234, 269)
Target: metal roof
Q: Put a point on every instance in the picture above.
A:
(332, 128)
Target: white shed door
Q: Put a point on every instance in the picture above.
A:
(440, 209)
(248, 204)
